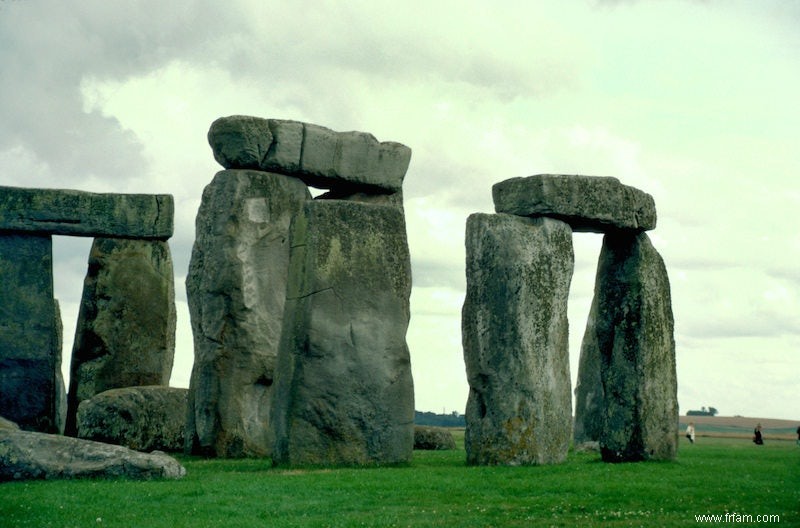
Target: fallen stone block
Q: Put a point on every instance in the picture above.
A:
(433, 438)
(140, 418)
(586, 203)
(79, 213)
(27, 455)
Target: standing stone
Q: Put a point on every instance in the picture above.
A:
(515, 336)
(236, 289)
(589, 398)
(344, 391)
(631, 326)
(125, 334)
(31, 390)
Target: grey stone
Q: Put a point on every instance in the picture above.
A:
(236, 289)
(515, 337)
(141, 418)
(27, 455)
(125, 336)
(631, 326)
(344, 392)
(240, 142)
(79, 213)
(318, 155)
(433, 438)
(31, 390)
(7, 424)
(589, 397)
(587, 203)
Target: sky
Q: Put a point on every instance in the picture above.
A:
(694, 102)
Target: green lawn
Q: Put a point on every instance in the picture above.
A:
(714, 476)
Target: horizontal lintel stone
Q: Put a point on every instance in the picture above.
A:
(319, 156)
(587, 203)
(80, 213)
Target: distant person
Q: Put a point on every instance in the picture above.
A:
(757, 438)
(690, 432)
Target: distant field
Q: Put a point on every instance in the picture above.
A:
(713, 477)
(741, 427)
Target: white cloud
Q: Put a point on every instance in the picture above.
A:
(693, 102)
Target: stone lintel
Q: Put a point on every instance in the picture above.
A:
(321, 157)
(80, 213)
(596, 204)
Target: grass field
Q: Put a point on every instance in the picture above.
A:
(714, 476)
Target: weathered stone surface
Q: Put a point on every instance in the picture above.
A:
(26, 455)
(433, 438)
(631, 329)
(236, 288)
(318, 155)
(31, 389)
(141, 418)
(344, 391)
(7, 424)
(515, 337)
(587, 203)
(125, 335)
(79, 213)
(589, 398)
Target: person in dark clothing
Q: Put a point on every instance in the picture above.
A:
(757, 438)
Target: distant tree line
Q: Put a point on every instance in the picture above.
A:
(453, 419)
(711, 411)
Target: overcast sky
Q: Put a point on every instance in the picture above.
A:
(694, 102)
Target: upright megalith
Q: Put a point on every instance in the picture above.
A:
(125, 334)
(31, 388)
(236, 289)
(515, 336)
(343, 390)
(630, 331)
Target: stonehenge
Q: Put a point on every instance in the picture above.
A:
(299, 306)
(127, 305)
(627, 387)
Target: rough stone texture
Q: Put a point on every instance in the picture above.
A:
(7, 424)
(79, 213)
(140, 418)
(125, 336)
(31, 389)
(587, 203)
(433, 438)
(344, 391)
(236, 288)
(589, 398)
(515, 337)
(318, 155)
(26, 455)
(631, 325)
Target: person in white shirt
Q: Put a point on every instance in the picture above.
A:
(690, 432)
